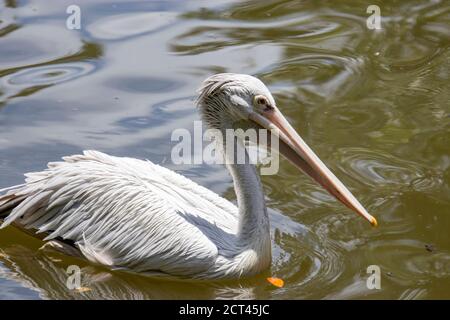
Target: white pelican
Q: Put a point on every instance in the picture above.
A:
(138, 216)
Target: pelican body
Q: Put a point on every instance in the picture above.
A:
(137, 216)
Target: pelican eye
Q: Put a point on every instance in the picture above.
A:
(263, 102)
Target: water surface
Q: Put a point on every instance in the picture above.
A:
(373, 104)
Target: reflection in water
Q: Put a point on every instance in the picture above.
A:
(48, 275)
(20, 47)
(372, 104)
(45, 271)
(127, 25)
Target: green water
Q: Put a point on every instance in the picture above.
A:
(373, 104)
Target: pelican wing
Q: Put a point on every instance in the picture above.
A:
(124, 212)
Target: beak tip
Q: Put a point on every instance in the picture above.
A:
(374, 222)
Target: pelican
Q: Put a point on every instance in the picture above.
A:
(137, 216)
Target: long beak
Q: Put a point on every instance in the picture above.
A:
(292, 146)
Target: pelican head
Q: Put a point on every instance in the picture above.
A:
(228, 99)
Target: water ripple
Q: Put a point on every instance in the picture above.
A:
(48, 74)
(127, 25)
(325, 75)
(409, 262)
(21, 49)
(374, 168)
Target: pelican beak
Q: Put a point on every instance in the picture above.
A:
(292, 147)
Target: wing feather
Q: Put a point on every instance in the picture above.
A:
(125, 213)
